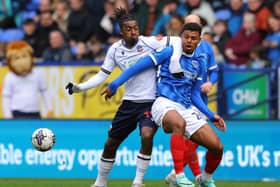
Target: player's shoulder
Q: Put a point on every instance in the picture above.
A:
(115, 45)
(9, 76)
(150, 40)
(205, 45)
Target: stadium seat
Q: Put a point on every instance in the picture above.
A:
(11, 35)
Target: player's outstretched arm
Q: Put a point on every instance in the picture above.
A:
(213, 78)
(91, 83)
(198, 102)
(143, 64)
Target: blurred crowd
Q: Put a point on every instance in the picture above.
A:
(244, 33)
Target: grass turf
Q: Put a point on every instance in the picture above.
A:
(118, 183)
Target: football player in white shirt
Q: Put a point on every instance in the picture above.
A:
(137, 100)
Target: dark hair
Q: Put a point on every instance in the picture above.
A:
(29, 21)
(123, 16)
(191, 27)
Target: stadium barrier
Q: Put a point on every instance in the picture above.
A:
(251, 151)
(247, 93)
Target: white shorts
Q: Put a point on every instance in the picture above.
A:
(193, 121)
(202, 115)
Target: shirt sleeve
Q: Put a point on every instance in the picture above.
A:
(109, 62)
(7, 96)
(212, 64)
(198, 102)
(7, 86)
(147, 62)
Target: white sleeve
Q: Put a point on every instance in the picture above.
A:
(6, 106)
(109, 61)
(106, 68)
(175, 66)
(93, 81)
(156, 43)
(6, 97)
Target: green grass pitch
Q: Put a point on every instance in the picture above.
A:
(117, 183)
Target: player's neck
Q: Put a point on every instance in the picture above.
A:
(129, 44)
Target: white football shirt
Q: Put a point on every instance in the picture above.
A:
(143, 85)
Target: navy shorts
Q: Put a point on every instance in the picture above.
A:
(128, 116)
(25, 115)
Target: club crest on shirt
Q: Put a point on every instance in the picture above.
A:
(139, 48)
(195, 64)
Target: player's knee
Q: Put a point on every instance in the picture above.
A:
(219, 148)
(147, 134)
(112, 144)
(179, 127)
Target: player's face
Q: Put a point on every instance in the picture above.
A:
(130, 32)
(190, 39)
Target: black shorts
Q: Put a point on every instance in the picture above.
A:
(128, 116)
(25, 115)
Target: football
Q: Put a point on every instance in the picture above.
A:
(43, 139)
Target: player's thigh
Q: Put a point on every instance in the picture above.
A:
(147, 125)
(193, 121)
(173, 122)
(207, 137)
(165, 114)
(124, 122)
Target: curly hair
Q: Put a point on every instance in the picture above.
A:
(123, 16)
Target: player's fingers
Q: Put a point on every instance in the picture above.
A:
(69, 85)
(222, 124)
(102, 93)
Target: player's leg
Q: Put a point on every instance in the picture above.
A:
(165, 113)
(147, 130)
(206, 137)
(122, 125)
(191, 157)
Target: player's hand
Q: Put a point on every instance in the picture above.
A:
(219, 123)
(107, 94)
(72, 88)
(206, 87)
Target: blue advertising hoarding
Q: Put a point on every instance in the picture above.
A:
(251, 151)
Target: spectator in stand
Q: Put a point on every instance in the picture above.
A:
(272, 41)
(169, 9)
(79, 26)
(236, 9)
(203, 9)
(81, 52)
(44, 6)
(276, 8)
(261, 13)
(58, 51)
(208, 36)
(221, 35)
(237, 49)
(175, 25)
(30, 32)
(95, 8)
(46, 25)
(146, 14)
(109, 28)
(61, 15)
(258, 58)
(97, 50)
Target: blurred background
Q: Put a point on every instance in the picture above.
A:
(70, 39)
